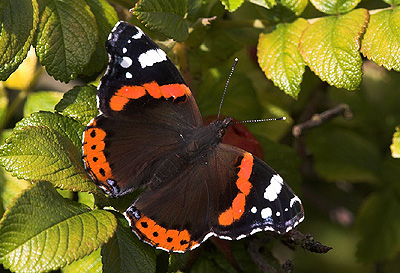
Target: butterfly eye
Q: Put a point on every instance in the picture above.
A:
(221, 133)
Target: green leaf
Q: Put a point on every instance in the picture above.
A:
(47, 146)
(89, 264)
(279, 57)
(381, 42)
(378, 224)
(335, 6)
(295, 6)
(79, 103)
(232, 5)
(18, 23)
(42, 231)
(395, 147)
(330, 47)
(166, 16)
(41, 101)
(106, 17)
(124, 252)
(66, 37)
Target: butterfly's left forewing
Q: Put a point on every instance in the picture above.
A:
(147, 111)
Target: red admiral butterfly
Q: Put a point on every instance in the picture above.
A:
(150, 135)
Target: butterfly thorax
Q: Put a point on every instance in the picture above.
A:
(205, 138)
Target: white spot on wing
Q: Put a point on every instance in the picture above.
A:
(124, 50)
(128, 75)
(126, 62)
(274, 188)
(294, 200)
(266, 213)
(254, 210)
(138, 35)
(151, 57)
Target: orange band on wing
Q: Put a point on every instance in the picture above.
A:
(93, 154)
(127, 93)
(236, 211)
(169, 239)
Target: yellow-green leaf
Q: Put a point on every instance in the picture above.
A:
(89, 264)
(335, 6)
(381, 42)
(279, 57)
(395, 147)
(42, 231)
(79, 103)
(232, 5)
(330, 47)
(47, 146)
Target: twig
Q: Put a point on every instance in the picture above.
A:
(318, 119)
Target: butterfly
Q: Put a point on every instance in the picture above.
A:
(150, 135)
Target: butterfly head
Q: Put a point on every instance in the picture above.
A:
(221, 126)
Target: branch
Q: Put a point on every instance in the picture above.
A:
(318, 119)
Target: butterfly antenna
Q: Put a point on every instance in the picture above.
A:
(259, 120)
(226, 86)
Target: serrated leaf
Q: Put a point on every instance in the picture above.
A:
(89, 264)
(106, 17)
(330, 47)
(381, 42)
(395, 147)
(232, 5)
(167, 16)
(335, 6)
(66, 37)
(41, 101)
(378, 225)
(19, 20)
(47, 146)
(42, 231)
(279, 57)
(124, 252)
(79, 103)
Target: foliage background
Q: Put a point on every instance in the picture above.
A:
(345, 171)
